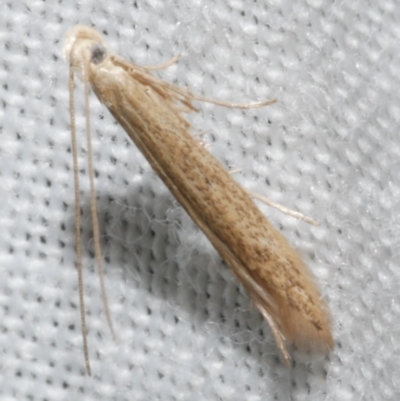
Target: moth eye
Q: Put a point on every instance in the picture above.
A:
(98, 53)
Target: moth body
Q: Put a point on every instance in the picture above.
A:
(151, 112)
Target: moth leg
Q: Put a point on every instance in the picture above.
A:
(276, 205)
(199, 136)
(229, 105)
(278, 337)
(165, 65)
(283, 209)
(236, 170)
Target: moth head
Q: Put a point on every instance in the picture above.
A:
(83, 45)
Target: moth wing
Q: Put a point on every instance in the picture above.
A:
(262, 299)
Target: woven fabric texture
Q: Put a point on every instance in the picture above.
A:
(186, 330)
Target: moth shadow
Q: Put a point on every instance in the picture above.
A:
(163, 254)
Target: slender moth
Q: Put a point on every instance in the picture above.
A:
(151, 112)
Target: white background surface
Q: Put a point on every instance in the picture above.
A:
(186, 330)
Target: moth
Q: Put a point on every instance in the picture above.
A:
(151, 111)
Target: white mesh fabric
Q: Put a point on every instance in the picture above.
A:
(186, 330)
